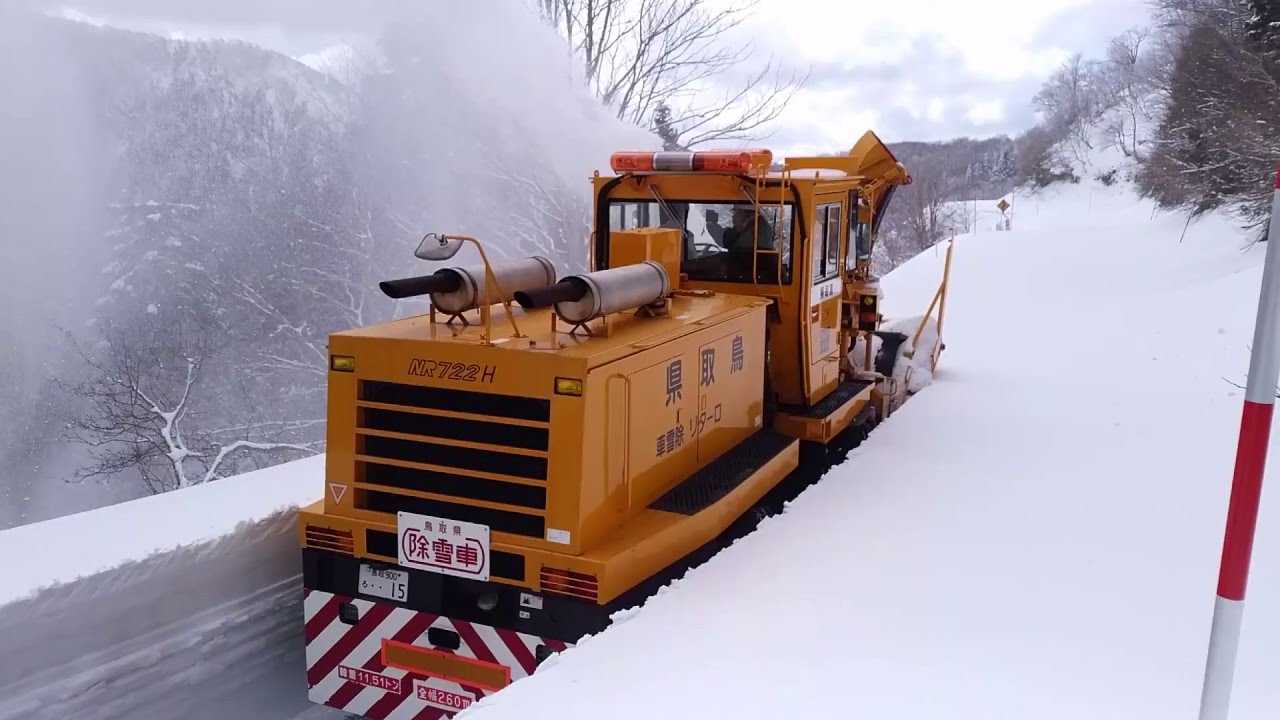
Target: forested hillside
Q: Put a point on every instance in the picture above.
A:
(237, 208)
(942, 173)
(1192, 102)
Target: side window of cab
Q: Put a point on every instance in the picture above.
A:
(859, 235)
(826, 241)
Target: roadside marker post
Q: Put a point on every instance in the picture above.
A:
(1246, 485)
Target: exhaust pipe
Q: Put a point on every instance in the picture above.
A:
(456, 290)
(563, 291)
(512, 275)
(420, 285)
(614, 290)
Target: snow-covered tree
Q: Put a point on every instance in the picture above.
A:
(1216, 143)
(149, 414)
(240, 240)
(664, 126)
(640, 56)
(1072, 101)
(1264, 25)
(1128, 82)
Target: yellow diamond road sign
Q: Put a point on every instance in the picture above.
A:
(1003, 204)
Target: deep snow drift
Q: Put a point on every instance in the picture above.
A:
(1035, 535)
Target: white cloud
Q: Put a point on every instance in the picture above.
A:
(924, 69)
(987, 111)
(77, 16)
(994, 36)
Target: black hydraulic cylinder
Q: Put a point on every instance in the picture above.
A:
(563, 291)
(420, 285)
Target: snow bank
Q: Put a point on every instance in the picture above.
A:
(161, 606)
(1036, 534)
(44, 555)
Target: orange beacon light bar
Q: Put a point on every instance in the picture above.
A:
(726, 161)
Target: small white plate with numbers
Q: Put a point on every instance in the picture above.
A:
(384, 583)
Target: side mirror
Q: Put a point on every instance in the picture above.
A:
(435, 246)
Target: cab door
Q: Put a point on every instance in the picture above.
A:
(823, 317)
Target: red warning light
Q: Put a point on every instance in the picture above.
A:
(712, 161)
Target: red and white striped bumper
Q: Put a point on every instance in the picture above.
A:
(345, 669)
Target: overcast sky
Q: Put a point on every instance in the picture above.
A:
(927, 69)
(909, 69)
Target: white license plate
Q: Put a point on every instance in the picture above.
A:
(383, 583)
(441, 545)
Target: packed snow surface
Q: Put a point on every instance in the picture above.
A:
(1035, 535)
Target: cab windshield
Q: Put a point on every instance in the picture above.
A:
(718, 237)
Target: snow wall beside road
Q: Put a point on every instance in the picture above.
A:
(160, 607)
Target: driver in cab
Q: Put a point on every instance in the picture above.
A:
(737, 237)
(736, 240)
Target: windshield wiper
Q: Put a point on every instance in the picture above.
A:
(665, 206)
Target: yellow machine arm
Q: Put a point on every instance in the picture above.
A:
(873, 160)
(879, 173)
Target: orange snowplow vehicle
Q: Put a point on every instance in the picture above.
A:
(537, 452)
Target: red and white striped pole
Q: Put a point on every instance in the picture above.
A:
(1246, 487)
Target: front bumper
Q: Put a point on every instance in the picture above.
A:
(378, 660)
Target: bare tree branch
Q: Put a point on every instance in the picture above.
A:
(211, 472)
(139, 405)
(645, 57)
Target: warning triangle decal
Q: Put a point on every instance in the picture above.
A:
(338, 490)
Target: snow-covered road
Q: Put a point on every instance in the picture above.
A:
(1035, 535)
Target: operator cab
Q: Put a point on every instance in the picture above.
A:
(718, 236)
(799, 232)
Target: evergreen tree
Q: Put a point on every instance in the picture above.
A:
(1264, 26)
(664, 127)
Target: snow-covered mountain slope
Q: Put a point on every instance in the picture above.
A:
(1034, 535)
